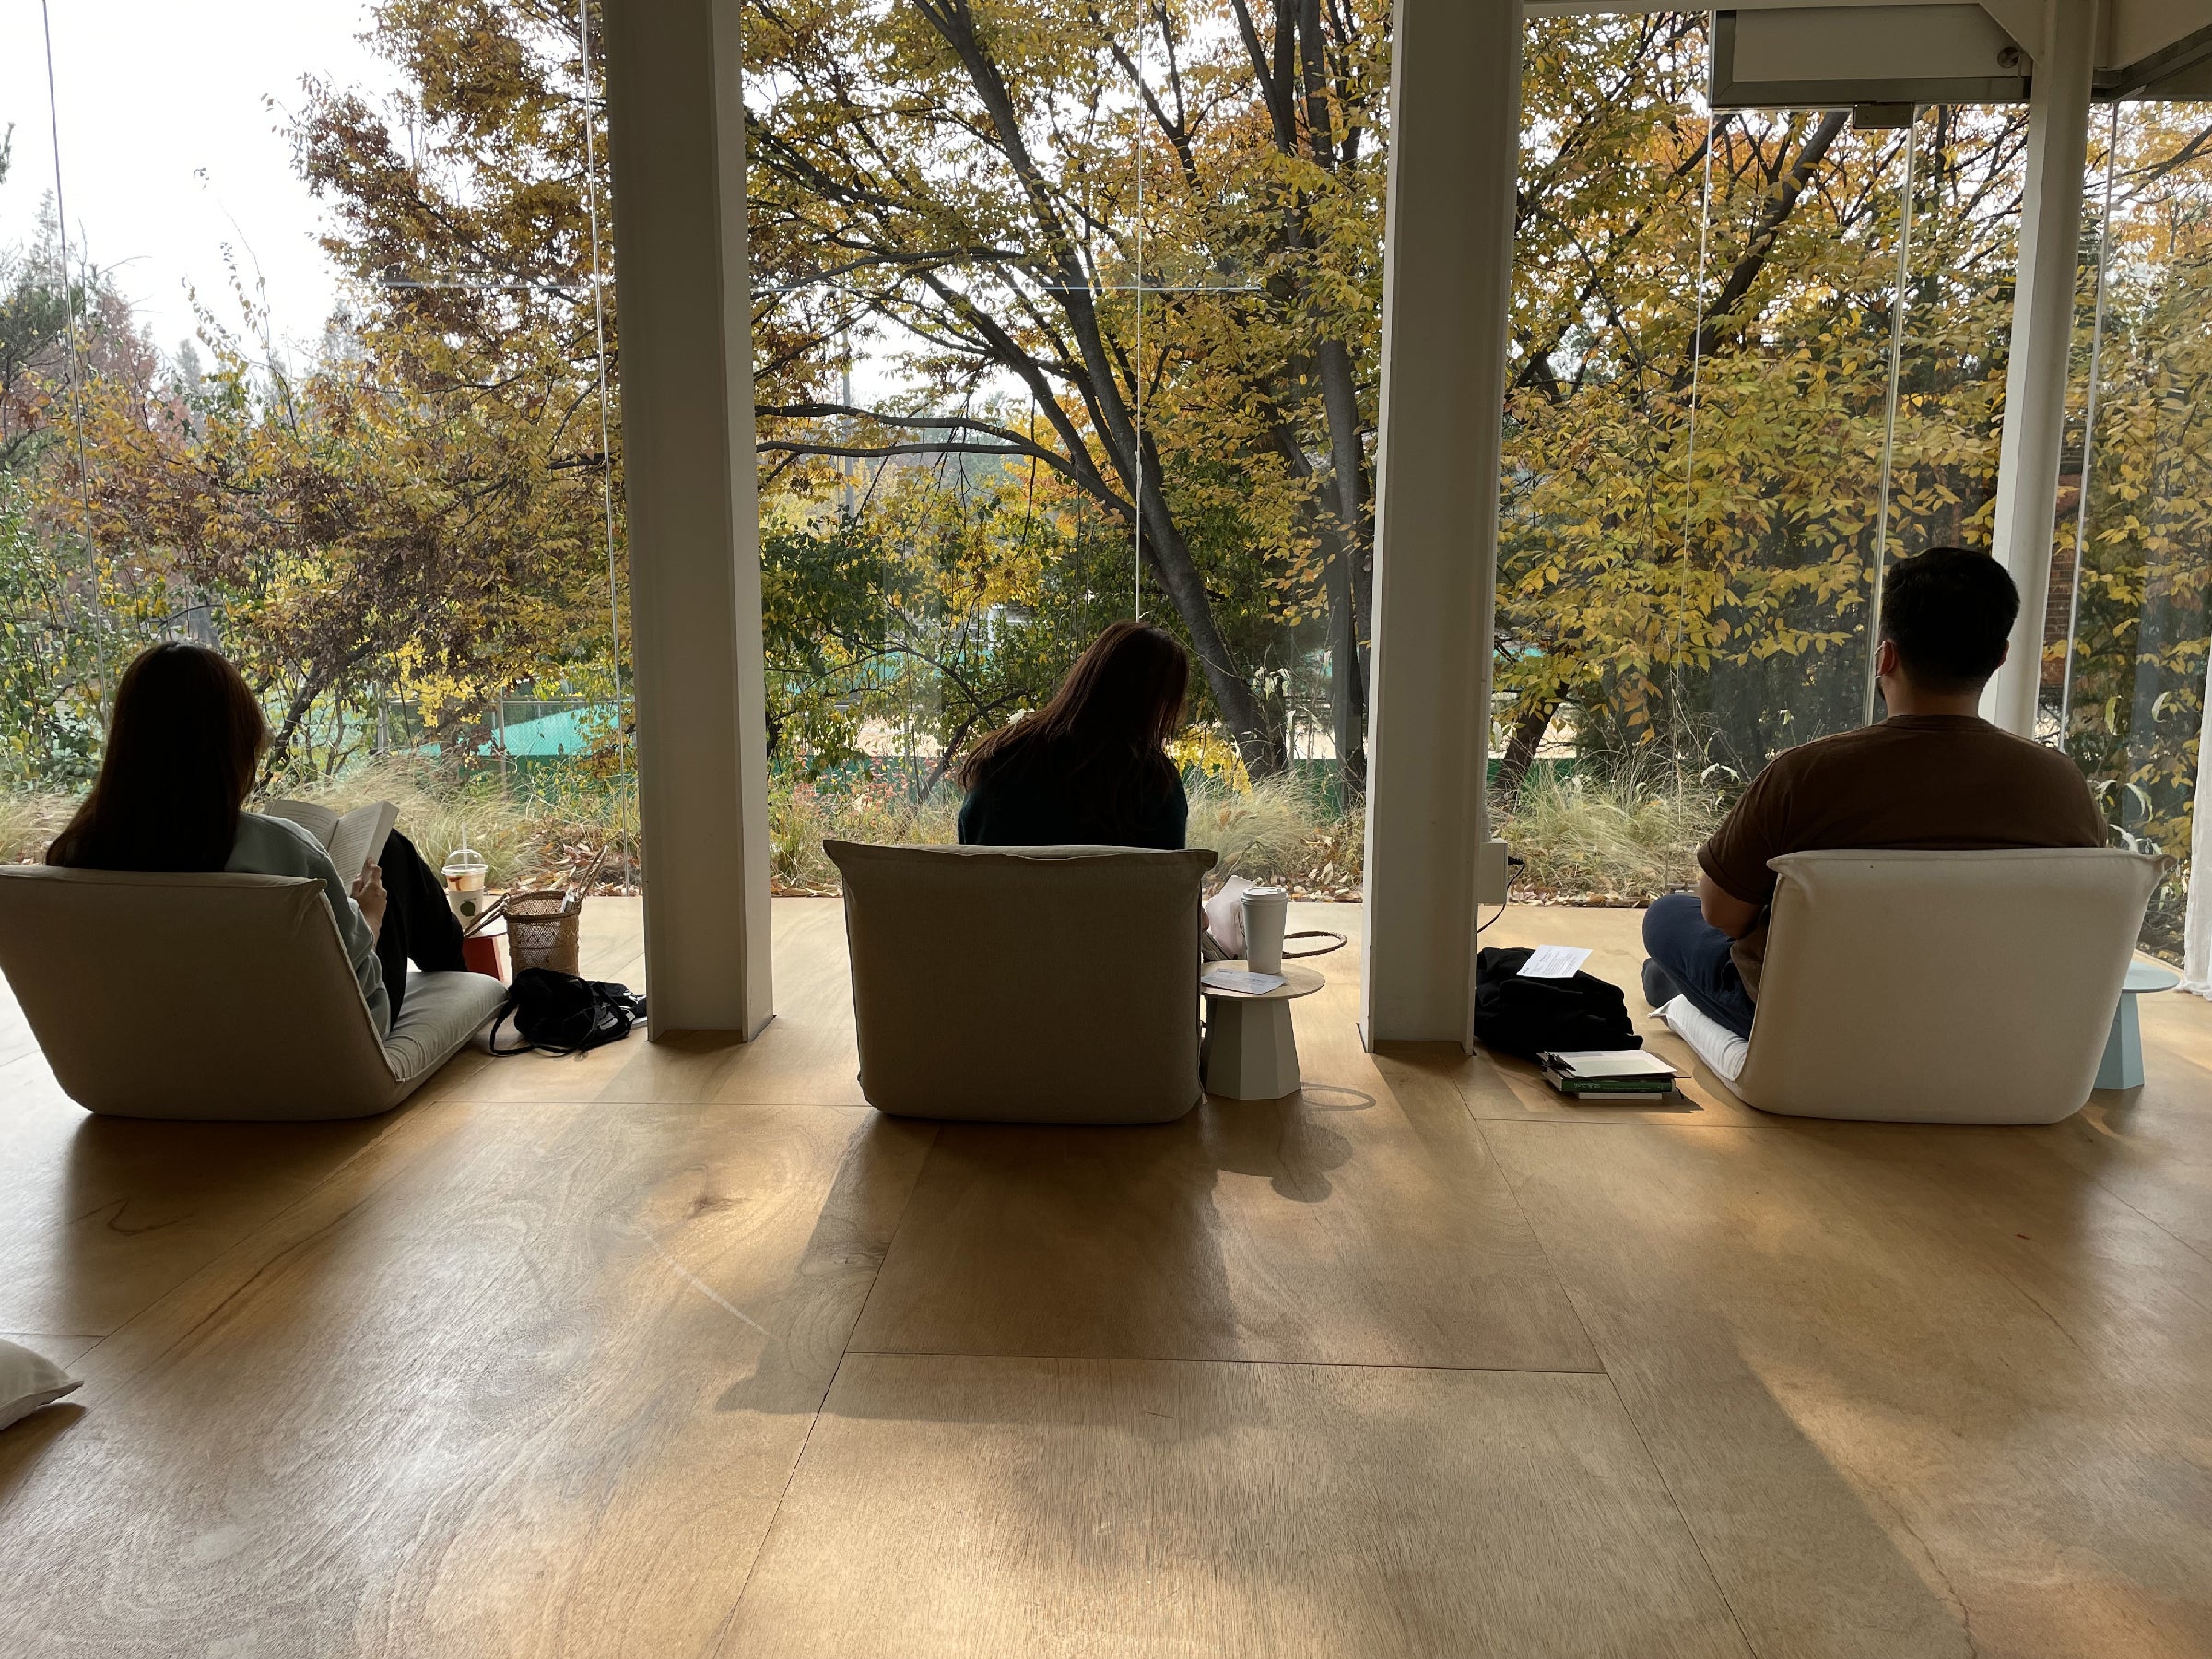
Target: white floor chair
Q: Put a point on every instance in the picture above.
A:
(1934, 987)
(1025, 985)
(159, 995)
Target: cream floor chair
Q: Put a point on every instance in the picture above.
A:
(1934, 987)
(1025, 985)
(222, 995)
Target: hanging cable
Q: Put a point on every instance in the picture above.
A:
(73, 368)
(1689, 468)
(1137, 551)
(1897, 352)
(2089, 433)
(606, 450)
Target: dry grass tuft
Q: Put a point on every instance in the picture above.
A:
(29, 819)
(1275, 831)
(1594, 840)
(556, 835)
(1588, 839)
(1280, 833)
(878, 810)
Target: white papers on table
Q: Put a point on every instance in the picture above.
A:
(1554, 962)
(1251, 984)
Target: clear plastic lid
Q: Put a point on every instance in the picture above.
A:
(465, 866)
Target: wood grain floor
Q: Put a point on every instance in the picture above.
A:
(680, 1349)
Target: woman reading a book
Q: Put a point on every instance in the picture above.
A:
(1091, 767)
(184, 745)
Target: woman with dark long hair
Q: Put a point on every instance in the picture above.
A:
(1091, 767)
(183, 745)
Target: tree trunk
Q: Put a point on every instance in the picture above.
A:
(1781, 202)
(1531, 721)
(1259, 745)
(1350, 600)
(1257, 742)
(288, 728)
(1347, 690)
(1350, 595)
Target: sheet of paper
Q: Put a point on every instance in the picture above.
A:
(1251, 984)
(1554, 962)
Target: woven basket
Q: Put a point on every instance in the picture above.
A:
(542, 931)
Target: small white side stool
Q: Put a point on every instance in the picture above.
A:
(1249, 1051)
(2122, 1064)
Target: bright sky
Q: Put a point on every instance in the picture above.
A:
(170, 153)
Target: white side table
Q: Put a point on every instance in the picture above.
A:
(2122, 1064)
(1250, 1053)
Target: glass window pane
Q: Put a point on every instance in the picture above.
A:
(2134, 680)
(1796, 317)
(1149, 293)
(327, 393)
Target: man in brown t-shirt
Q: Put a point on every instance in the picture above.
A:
(1932, 775)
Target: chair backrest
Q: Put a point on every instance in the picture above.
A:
(1025, 985)
(191, 995)
(1942, 987)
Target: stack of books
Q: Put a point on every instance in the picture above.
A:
(1608, 1075)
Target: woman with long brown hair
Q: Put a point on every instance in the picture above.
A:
(1091, 767)
(183, 745)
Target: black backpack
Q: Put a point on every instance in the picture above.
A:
(1530, 1016)
(561, 1014)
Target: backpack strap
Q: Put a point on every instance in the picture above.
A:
(491, 1037)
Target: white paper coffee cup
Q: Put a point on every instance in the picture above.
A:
(1266, 909)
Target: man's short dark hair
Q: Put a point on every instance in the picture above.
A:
(1950, 612)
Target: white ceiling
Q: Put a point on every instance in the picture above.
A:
(2134, 30)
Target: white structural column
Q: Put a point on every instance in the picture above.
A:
(1456, 99)
(675, 123)
(2042, 336)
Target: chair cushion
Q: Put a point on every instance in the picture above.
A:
(1025, 985)
(204, 995)
(439, 1012)
(1711, 1042)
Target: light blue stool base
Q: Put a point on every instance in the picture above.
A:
(2122, 1065)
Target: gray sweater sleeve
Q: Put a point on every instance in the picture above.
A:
(268, 846)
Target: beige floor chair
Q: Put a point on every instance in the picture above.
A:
(1934, 987)
(215, 996)
(1027, 985)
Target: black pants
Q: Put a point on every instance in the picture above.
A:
(418, 923)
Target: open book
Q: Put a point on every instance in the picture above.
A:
(353, 841)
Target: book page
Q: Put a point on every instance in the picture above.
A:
(319, 821)
(360, 837)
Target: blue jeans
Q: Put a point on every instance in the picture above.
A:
(1691, 956)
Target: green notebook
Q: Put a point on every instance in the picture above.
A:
(1610, 1085)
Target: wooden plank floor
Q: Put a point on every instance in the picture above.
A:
(680, 1349)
